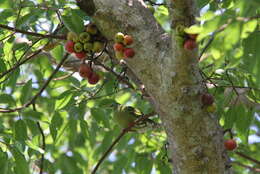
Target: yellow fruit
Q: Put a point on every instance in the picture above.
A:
(88, 46)
(212, 108)
(71, 36)
(119, 54)
(84, 37)
(119, 37)
(97, 47)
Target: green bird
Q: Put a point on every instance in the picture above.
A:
(124, 116)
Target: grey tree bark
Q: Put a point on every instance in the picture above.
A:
(171, 77)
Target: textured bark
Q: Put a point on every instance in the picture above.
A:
(171, 77)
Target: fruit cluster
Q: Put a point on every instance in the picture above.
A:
(87, 42)
(87, 72)
(121, 46)
(190, 42)
(208, 101)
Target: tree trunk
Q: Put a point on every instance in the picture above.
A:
(171, 77)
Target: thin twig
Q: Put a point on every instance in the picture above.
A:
(96, 62)
(207, 46)
(123, 132)
(43, 142)
(54, 79)
(222, 28)
(62, 37)
(248, 157)
(235, 86)
(231, 82)
(20, 63)
(43, 148)
(107, 95)
(246, 166)
(3, 110)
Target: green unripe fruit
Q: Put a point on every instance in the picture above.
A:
(212, 108)
(84, 37)
(88, 47)
(76, 39)
(97, 47)
(71, 36)
(119, 37)
(78, 47)
(119, 54)
(91, 29)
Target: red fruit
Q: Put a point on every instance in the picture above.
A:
(129, 52)
(230, 144)
(93, 79)
(207, 99)
(80, 55)
(128, 40)
(118, 47)
(69, 46)
(85, 71)
(190, 44)
(193, 36)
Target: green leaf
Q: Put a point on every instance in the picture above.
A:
(33, 115)
(73, 22)
(202, 3)
(5, 98)
(207, 16)
(3, 162)
(248, 28)
(63, 100)
(56, 123)
(251, 56)
(21, 165)
(54, 132)
(4, 4)
(163, 168)
(57, 120)
(244, 119)
(26, 92)
(68, 165)
(84, 128)
(20, 130)
(7, 48)
(2, 66)
(32, 126)
(13, 78)
(144, 165)
(100, 116)
(34, 146)
(193, 29)
(58, 52)
(230, 118)
(232, 35)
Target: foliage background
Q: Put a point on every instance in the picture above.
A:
(71, 113)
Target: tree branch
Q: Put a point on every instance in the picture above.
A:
(4, 110)
(248, 157)
(20, 63)
(62, 37)
(247, 167)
